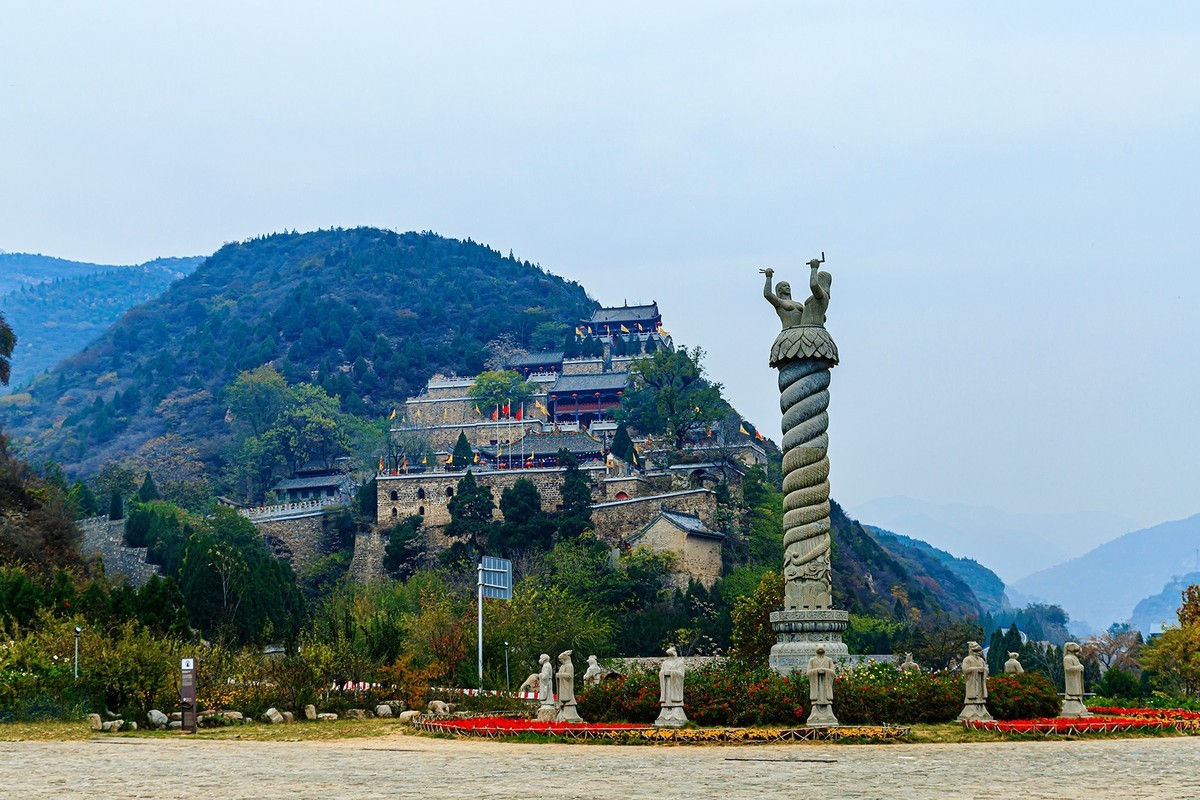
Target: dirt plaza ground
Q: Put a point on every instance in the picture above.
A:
(405, 765)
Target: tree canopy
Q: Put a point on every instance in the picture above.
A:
(669, 394)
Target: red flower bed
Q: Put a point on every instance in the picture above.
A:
(1072, 727)
(1166, 714)
(514, 725)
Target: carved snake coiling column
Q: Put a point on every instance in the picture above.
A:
(804, 400)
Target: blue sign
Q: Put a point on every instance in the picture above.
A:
(495, 578)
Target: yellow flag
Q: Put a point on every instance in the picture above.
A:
(393, 416)
(624, 329)
(742, 427)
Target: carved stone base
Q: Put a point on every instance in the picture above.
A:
(800, 632)
(671, 717)
(568, 714)
(546, 713)
(975, 711)
(822, 716)
(1074, 709)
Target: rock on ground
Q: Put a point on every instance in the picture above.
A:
(310, 712)
(383, 711)
(330, 717)
(158, 720)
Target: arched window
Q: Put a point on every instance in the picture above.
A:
(394, 514)
(420, 494)
(622, 495)
(395, 496)
(449, 491)
(421, 510)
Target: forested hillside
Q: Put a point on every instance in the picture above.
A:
(18, 270)
(366, 314)
(56, 318)
(986, 585)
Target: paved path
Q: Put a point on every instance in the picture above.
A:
(403, 766)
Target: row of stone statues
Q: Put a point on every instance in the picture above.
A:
(556, 688)
(975, 669)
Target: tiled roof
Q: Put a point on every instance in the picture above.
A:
(624, 314)
(548, 444)
(595, 382)
(310, 483)
(536, 359)
(689, 523)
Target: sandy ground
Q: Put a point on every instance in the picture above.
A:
(411, 766)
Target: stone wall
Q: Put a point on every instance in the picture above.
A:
(106, 538)
(696, 557)
(298, 538)
(617, 520)
(367, 564)
(427, 494)
(582, 366)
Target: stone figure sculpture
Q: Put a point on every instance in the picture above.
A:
(566, 689)
(1073, 706)
(670, 691)
(546, 710)
(1013, 665)
(820, 690)
(593, 673)
(804, 353)
(974, 669)
(530, 684)
(909, 665)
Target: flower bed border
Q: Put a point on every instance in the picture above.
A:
(649, 733)
(1107, 720)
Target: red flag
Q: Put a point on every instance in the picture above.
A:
(506, 412)
(520, 413)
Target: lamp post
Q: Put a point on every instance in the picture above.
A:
(78, 630)
(507, 685)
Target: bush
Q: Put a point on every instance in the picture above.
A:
(873, 694)
(629, 698)
(1026, 696)
(1116, 682)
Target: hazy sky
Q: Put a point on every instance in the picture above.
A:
(1007, 193)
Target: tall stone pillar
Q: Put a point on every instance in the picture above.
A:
(804, 353)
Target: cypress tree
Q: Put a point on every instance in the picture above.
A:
(463, 454)
(148, 490)
(622, 445)
(116, 508)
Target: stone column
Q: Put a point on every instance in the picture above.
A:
(804, 355)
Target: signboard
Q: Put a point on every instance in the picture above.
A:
(187, 694)
(495, 578)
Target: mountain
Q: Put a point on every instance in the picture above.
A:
(1013, 545)
(986, 585)
(55, 317)
(1104, 585)
(18, 270)
(866, 572)
(368, 314)
(1152, 612)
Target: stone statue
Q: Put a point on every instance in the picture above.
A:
(804, 353)
(1073, 706)
(974, 669)
(670, 691)
(820, 690)
(547, 710)
(909, 665)
(593, 673)
(566, 689)
(531, 684)
(1013, 665)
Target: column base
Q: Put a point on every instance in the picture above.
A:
(671, 717)
(800, 632)
(822, 716)
(1074, 709)
(975, 712)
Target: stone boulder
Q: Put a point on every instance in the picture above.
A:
(230, 716)
(273, 717)
(94, 722)
(330, 717)
(288, 717)
(440, 707)
(383, 711)
(176, 716)
(175, 725)
(157, 719)
(310, 712)
(130, 726)
(355, 713)
(112, 726)
(408, 716)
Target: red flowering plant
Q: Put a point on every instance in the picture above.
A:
(1021, 697)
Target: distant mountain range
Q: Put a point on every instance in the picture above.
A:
(1106, 584)
(1153, 612)
(56, 307)
(1013, 545)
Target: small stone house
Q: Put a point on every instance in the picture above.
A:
(697, 548)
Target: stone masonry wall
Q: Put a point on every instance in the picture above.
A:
(367, 564)
(106, 538)
(298, 539)
(617, 520)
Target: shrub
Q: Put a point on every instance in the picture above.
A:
(629, 698)
(1026, 696)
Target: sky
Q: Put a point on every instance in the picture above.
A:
(1006, 193)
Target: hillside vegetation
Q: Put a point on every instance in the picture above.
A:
(366, 314)
(57, 318)
(986, 585)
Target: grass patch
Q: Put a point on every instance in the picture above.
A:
(252, 732)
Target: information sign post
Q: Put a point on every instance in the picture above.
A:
(187, 694)
(495, 581)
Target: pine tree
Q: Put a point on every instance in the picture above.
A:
(622, 445)
(576, 515)
(116, 507)
(471, 510)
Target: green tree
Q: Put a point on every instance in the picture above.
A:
(669, 394)
(257, 398)
(148, 490)
(576, 515)
(37, 523)
(116, 506)
(622, 446)
(405, 548)
(8, 341)
(752, 634)
(499, 388)
(462, 455)
(84, 499)
(526, 526)
(471, 510)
